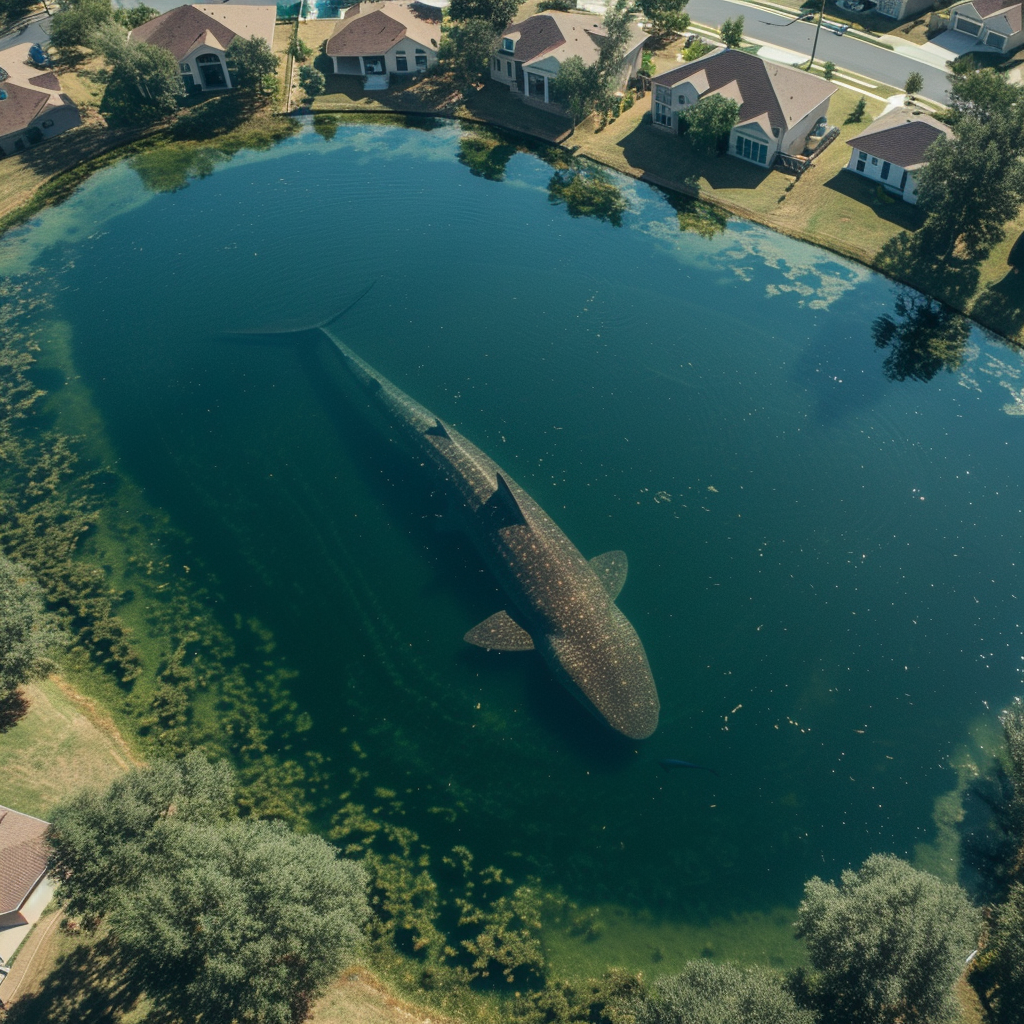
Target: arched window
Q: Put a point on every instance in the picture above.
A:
(208, 58)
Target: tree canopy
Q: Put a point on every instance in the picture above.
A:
(665, 16)
(251, 61)
(74, 24)
(472, 43)
(312, 81)
(28, 636)
(888, 943)
(218, 918)
(150, 72)
(709, 993)
(133, 17)
(500, 13)
(732, 32)
(710, 120)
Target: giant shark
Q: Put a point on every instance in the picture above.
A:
(560, 604)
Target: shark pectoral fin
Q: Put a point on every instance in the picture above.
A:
(611, 569)
(504, 505)
(500, 633)
(438, 430)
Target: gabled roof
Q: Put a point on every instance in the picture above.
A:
(23, 855)
(986, 9)
(560, 35)
(901, 137)
(779, 93)
(183, 29)
(371, 29)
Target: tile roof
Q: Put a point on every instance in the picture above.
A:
(901, 137)
(182, 29)
(371, 29)
(561, 35)
(23, 855)
(782, 94)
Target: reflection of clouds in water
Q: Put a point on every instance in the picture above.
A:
(816, 278)
(981, 365)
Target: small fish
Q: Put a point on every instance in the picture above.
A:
(669, 763)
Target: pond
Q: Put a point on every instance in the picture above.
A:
(814, 473)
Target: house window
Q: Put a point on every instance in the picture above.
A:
(996, 40)
(497, 64)
(186, 69)
(751, 150)
(207, 58)
(508, 45)
(972, 28)
(903, 181)
(421, 59)
(861, 160)
(508, 68)
(401, 61)
(663, 95)
(662, 114)
(874, 161)
(886, 167)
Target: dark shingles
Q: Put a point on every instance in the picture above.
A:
(23, 854)
(900, 137)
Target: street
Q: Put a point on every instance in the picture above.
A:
(845, 52)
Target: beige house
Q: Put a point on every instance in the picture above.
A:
(900, 10)
(990, 23)
(893, 147)
(198, 36)
(387, 38)
(780, 107)
(530, 53)
(35, 108)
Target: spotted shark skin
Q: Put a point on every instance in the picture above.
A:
(560, 604)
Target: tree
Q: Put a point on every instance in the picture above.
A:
(312, 81)
(710, 993)
(149, 72)
(299, 50)
(252, 62)
(575, 87)
(828, 69)
(28, 637)
(710, 120)
(473, 42)
(998, 972)
(133, 17)
(73, 26)
(888, 945)
(915, 83)
(500, 13)
(218, 918)
(665, 16)
(732, 32)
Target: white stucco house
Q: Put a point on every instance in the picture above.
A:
(779, 106)
(893, 147)
(995, 24)
(198, 36)
(35, 108)
(530, 52)
(387, 38)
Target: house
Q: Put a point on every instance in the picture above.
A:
(780, 107)
(25, 890)
(990, 23)
(531, 52)
(35, 108)
(385, 38)
(198, 36)
(893, 147)
(900, 10)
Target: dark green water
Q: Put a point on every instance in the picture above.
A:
(824, 562)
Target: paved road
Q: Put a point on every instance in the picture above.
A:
(853, 54)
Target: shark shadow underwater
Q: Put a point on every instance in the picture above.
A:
(560, 604)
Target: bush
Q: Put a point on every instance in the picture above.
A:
(312, 81)
(828, 70)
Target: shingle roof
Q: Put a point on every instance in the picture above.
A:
(182, 29)
(782, 94)
(21, 108)
(371, 29)
(561, 35)
(23, 854)
(990, 8)
(901, 137)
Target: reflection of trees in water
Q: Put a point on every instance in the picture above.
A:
(923, 337)
(171, 168)
(588, 192)
(486, 154)
(700, 218)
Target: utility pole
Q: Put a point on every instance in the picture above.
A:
(814, 48)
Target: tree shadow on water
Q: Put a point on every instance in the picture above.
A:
(918, 259)
(89, 985)
(922, 337)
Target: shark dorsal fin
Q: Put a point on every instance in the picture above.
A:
(438, 430)
(505, 503)
(611, 569)
(500, 632)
